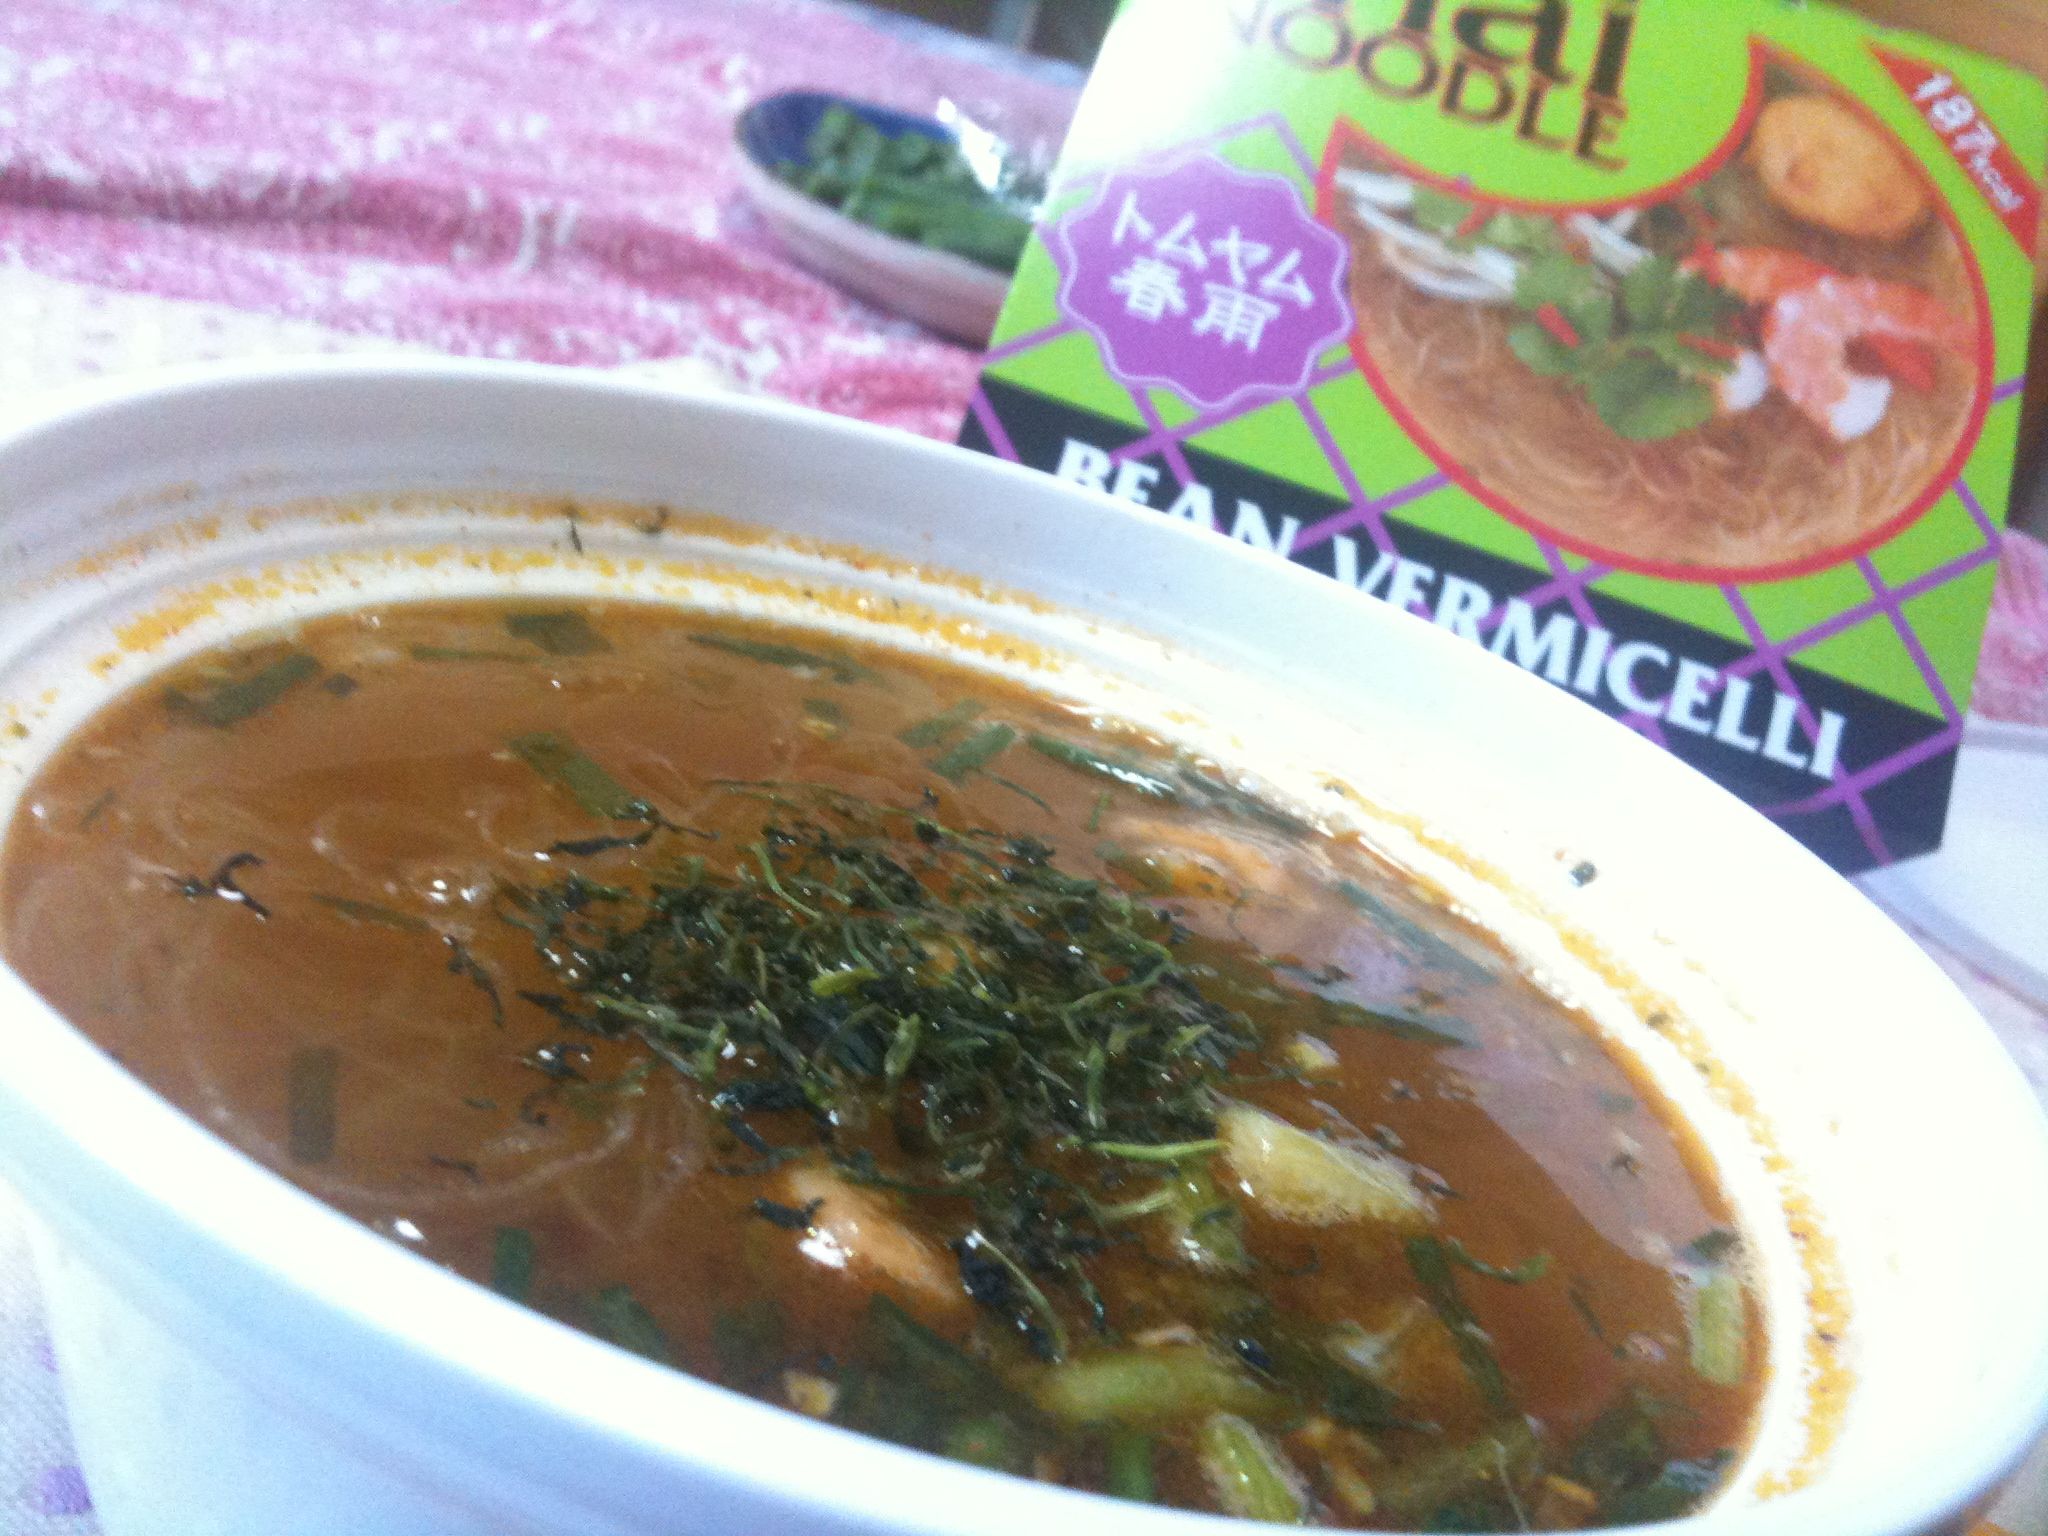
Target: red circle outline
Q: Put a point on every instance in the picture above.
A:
(1348, 133)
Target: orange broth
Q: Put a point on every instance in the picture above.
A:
(294, 885)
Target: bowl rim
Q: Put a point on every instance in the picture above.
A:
(168, 1173)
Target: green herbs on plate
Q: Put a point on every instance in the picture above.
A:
(915, 186)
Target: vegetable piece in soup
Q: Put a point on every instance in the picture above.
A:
(902, 1048)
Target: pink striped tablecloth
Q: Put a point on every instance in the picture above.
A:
(540, 179)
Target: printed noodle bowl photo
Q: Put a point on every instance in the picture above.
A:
(1760, 373)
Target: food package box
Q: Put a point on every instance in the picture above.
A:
(1670, 349)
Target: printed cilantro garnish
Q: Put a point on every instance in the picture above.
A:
(1440, 213)
(1521, 234)
(1645, 349)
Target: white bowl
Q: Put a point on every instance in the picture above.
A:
(244, 1362)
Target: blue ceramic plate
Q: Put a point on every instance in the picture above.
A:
(950, 294)
(776, 129)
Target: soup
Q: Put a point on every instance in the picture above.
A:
(907, 1049)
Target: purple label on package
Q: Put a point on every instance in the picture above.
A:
(1205, 279)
